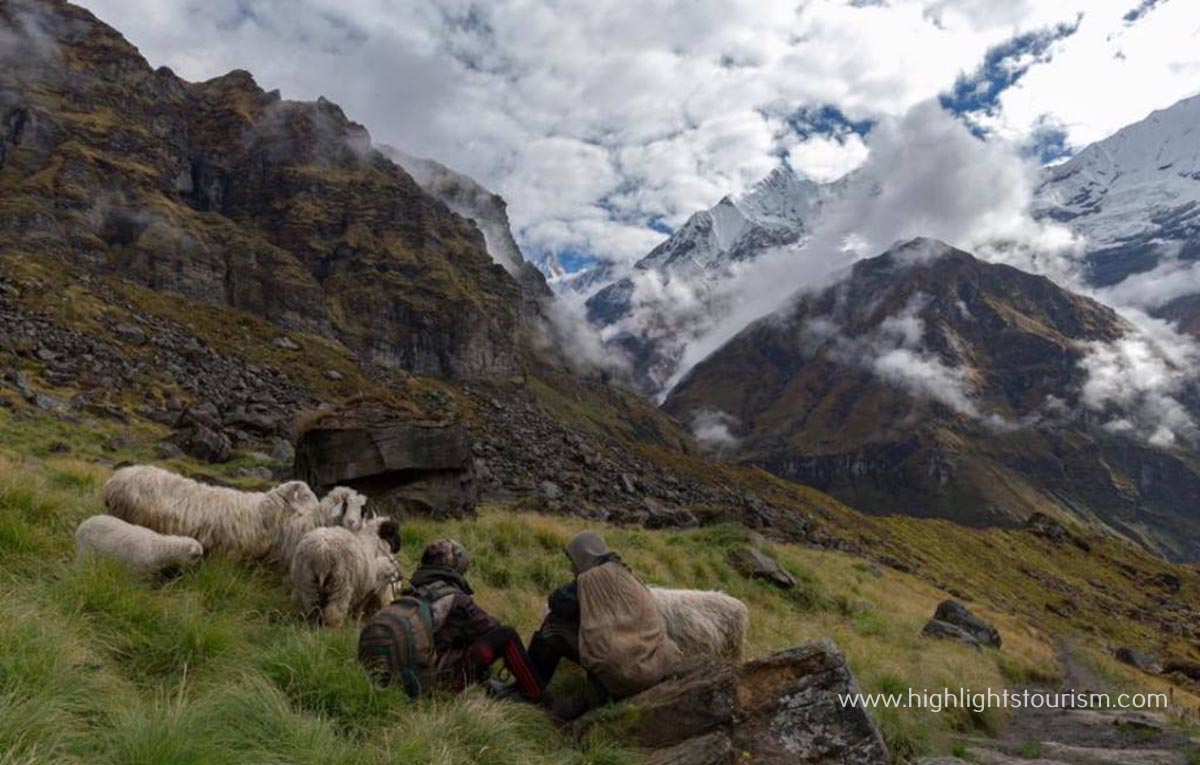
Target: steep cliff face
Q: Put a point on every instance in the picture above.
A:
(933, 384)
(229, 194)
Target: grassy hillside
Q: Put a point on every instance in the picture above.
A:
(216, 666)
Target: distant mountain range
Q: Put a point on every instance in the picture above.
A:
(931, 383)
(1135, 196)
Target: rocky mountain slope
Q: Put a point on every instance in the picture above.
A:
(215, 261)
(225, 193)
(934, 384)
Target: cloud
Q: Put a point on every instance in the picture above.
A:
(1136, 384)
(926, 175)
(598, 122)
(712, 429)
(896, 353)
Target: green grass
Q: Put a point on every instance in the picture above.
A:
(216, 665)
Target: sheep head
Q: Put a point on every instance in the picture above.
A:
(193, 552)
(344, 506)
(385, 529)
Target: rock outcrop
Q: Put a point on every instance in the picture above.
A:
(405, 466)
(227, 194)
(783, 709)
(753, 563)
(955, 621)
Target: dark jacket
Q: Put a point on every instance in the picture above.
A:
(459, 622)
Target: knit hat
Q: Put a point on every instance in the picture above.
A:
(446, 553)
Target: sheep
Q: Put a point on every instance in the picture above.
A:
(141, 550)
(341, 506)
(239, 523)
(703, 621)
(336, 573)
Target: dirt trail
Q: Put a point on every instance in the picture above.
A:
(1085, 736)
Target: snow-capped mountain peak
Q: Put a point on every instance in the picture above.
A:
(1137, 188)
(775, 211)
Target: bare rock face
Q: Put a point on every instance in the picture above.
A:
(781, 709)
(405, 466)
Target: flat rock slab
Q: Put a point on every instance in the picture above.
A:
(789, 711)
(783, 709)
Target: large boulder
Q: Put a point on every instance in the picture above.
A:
(785, 708)
(406, 465)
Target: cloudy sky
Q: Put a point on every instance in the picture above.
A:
(605, 123)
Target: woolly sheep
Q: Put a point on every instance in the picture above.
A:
(337, 574)
(341, 506)
(143, 551)
(241, 523)
(703, 621)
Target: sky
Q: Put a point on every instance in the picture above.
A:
(606, 123)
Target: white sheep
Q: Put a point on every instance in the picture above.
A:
(337, 574)
(240, 523)
(703, 621)
(141, 550)
(341, 506)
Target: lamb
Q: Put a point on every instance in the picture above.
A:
(141, 550)
(239, 523)
(341, 506)
(337, 574)
(703, 621)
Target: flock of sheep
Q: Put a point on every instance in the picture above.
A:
(338, 557)
(339, 561)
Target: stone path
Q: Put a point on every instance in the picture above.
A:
(1084, 736)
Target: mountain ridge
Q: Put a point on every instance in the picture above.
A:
(943, 385)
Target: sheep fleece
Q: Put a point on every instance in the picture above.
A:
(336, 573)
(141, 549)
(703, 621)
(341, 506)
(224, 520)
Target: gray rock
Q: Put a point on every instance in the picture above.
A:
(711, 749)
(779, 710)
(1146, 662)
(204, 443)
(955, 613)
(333, 374)
(282, 451)
(405, 466)
(550, 491)
(286, 343)
(750, 562)
(130, 333)
(940, 630)
(789, 711)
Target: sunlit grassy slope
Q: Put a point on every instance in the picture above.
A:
(216, 666)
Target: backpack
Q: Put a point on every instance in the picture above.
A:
(397, 644)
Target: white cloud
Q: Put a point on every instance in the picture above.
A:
(1135, 384)
(925, 175)
(1109, 73)
(592, 119)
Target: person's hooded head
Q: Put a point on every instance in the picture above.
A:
(446, 553)
(586, 551)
